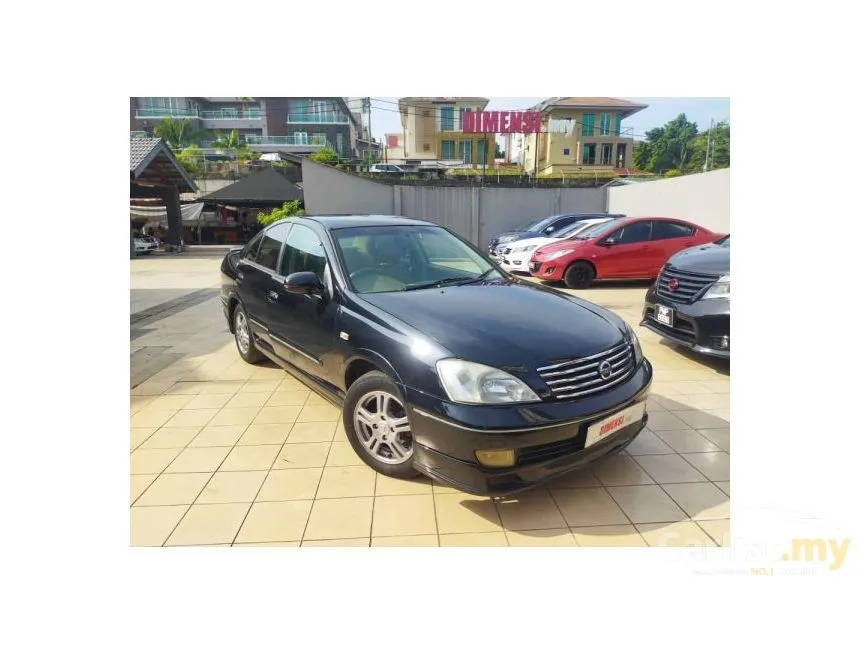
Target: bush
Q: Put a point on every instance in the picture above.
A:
(287, 209)
(325, 155)
(673, 173)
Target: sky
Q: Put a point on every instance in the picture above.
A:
(385, 118)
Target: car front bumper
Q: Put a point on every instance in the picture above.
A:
(548, 438)
(517, 261)
(700, 326)
(552, 270)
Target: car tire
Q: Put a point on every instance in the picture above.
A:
(579, 275)
(244, 337)
(377, 433)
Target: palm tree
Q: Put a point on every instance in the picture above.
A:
(177, 133)
(231, 141)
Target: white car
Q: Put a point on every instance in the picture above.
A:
(386, 167)
(145, 244)
(516, 255)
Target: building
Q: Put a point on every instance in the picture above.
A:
(433, 130)
(298, 125)
(580, 133)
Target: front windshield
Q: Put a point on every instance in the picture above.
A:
(528, 225)
(539, 225)
(402, 258)
(570, 229)
(594, 231)
(723, 242)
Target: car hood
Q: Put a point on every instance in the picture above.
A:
(519, 245)
(708, 258)
(561, 245)
(522, 235)
(506, 324)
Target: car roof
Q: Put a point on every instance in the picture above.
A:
(347, 220)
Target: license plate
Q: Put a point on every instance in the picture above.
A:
(609, 426)
(665, 315)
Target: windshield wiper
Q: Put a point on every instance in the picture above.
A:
(435, 283)
(482, 276)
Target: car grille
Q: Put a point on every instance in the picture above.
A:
(581, 377)
(688, 284)
(537, 266)
(506, 250)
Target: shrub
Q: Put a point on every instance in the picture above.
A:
(674, 172)
(325, 155)
(287, 209)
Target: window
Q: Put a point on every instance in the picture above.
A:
(270, 247)
(462, 111)
(303, 252)
(618, 125)
(447, 120)
(589, 152)
(588, 125)
(339, 144)
(250, 252)
(466, 151)
(637, 232)
(566, 152)
(670, 230)
(606, 154)
(482, 150)
(300, 138)
(448, 150)
(604, 123)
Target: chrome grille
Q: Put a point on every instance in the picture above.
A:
(689, 284)
(581, 377)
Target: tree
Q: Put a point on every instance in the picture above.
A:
(719, 156)
(498, 154)
(325, 155)
(191, 158)
(667, 147)
(177, 133)
(231, 141)
(287, 209)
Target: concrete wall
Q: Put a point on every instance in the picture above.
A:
(477, 214)
(702, 198)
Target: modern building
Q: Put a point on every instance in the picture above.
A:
(298, 125)
(433, 130)
(580, 133)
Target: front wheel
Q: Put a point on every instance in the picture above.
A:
(579, 275)
(376, 423)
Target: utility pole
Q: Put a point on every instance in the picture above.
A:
(369, 132)
(708, 148)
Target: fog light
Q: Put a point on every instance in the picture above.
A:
(496, 458)
(549, 269)
(721, 342)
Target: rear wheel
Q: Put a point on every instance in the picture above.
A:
(579, 275)
(244, 338)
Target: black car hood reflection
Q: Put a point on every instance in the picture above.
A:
(708, 258)
(504, 323)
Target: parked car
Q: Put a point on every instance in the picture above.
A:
(632, 249)
(516, 255)
(386, 167)
(144, 244)
(690, 302)
(542, 228)
(397, 321)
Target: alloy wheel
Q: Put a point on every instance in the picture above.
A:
(243, 336)
(383, 428)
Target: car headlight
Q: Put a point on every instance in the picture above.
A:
(637, 348)
(557, 254)
(720, 289)
(526, 249)
(466, 382)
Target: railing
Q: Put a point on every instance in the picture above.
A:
(292, 140)
(162, 113)
(232, 114)
(316, 118)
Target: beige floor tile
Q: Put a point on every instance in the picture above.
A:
(265, 434)
(719, 437)
(718, 387)
(234, 416)
(209, 524)
(394, 486)
(714, 465)
(723, 486)
(462, 513)
(542, 537)
(530, 510)
(250, 458)
(701, 500)
(669, 469)
(227, 487)
(288, 397)
(290, 384)
(170, 402)
(473, 539)
(648, 443)
(718, 530)
(198, 460)
(275, 522)
(248, 400)
(208, 401)
(620, 470)
(340, 431)
(171, 438)
(214, 436)
(150, 525)
(191, 418)
(580, 478)
(340, 518)
(618, 535)
(223, 387)
(724, 414)
(347, 481)
(702, 419)
(404, 515)
(672, 402)
(152, 388)
(588, 507)
(709, 401)
(288, 485)
(406, 540)
(147, 418)
(144, 462)
(259, 386)
(347, 542)
(184, 387)
(174, 489)
(278, 414)
(302, 455)
(343, 454)
(440, 488)
(684, 441)
(325, 412)
(310, 431)
(139, 484)
(316, 399)
(273, 373)
(646, 504)
(138, 403)
(665, 421)
(269, 544)
(139, 435)
(674, 534)
(688, 387)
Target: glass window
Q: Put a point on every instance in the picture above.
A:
(636, 232)
(723, 242)
(670, 230)
(618, 125)
(482, 151)
(566, 152)
(604, 123)
(250, 252)
(466, 151)
(447, 149)
(270, 247)
(596, 230)
(303, 252)
(588, 125)
(447, 122)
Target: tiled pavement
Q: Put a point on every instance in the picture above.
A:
(224, 453)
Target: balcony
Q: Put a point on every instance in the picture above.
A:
(166, 112)
(255, 140)
(317, 118)
(232, 114)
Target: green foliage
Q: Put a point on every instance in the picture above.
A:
(177, 133)
(191, 159)
(666, 147)
(231, 141)
(674, 172)
(287, 209)
(498, 152)
(719, 157)
(325, 155)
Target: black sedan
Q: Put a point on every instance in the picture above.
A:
(542, 228)
(397, 320)
(690, 302)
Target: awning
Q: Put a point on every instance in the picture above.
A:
(191, 213)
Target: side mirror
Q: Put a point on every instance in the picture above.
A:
(550, 229)
(303, 282)
(609, 241)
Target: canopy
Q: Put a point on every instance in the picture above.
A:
(190, 213)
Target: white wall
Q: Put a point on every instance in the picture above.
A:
(701, 198)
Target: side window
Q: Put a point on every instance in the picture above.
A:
(670, 230)
(251, 248)
(270, 247)
(303, 252)
(638, 232)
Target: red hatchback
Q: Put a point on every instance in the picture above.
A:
(632, 248)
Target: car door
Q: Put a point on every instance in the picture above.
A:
(250, 283)
(667, 238)
(302, 326)
(623, 253)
